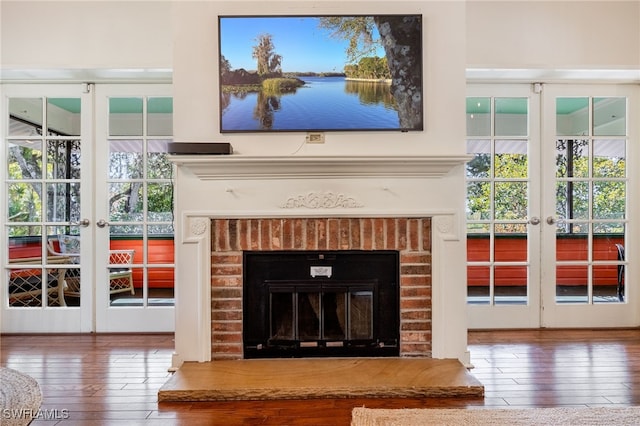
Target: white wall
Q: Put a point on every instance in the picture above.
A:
(86, 34)
(553, 34)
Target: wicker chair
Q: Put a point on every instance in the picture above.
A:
(120, 261)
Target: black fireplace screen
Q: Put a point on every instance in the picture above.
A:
(320, 304)
(316, 313)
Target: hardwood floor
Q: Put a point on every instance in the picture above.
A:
(114, 379)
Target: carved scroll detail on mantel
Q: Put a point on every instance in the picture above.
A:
(321, 200)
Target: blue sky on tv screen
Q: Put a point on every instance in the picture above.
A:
(303, 45)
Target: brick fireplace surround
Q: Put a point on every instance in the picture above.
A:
(410, 236)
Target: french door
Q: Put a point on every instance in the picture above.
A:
(548, 199)
(134, 208)
(87, 209)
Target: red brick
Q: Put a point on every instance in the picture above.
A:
(322, 234)
(298, 234)
(334, 234)
(378, 234)
(224, 281)
(311, 234)
(415, 269)
(356, 234)
(254, 229)
(390, 225)
(414, 235)
(287, 233)
(415, 315)
(226, 305)
(402, 234)
(426, 234)
(416, 291)
(367, 234)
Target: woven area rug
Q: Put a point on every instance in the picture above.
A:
(20, 398)
(485, 416)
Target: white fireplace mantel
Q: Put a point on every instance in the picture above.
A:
(214, 167)
(242, 186)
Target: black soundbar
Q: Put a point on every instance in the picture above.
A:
(199, 148)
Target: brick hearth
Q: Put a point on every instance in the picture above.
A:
(410, 236)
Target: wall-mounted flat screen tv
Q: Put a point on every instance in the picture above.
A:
(320, 73)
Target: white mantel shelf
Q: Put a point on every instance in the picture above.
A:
(214, 167)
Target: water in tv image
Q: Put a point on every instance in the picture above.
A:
(320, 73)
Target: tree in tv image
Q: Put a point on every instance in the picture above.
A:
(322, 73)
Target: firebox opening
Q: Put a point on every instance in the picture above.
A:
(313, 303)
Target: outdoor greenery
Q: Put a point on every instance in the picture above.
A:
(575, 188)
(30, 178)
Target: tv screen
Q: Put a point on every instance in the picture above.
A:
(320, 73)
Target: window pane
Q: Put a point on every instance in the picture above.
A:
(511, 117)
(125, 159)
(26, 116)
(572, 284)
(478, 289)
(571, 246)
(572, 116)
(609, 158)
(63, 202)
(510, 284)
(609, 116)
(160, 202)
(63, 116)
(478, 116)
(511, 200)
(158, 167)
(478, 200)
(478, 248)
(63, 159)
(572, 200)
(25, 202)
(510, 247)
(511, 159)
(572, 158)
(160, 116)
(125, 117)
(126, 202)
(609, 200)
(24, 160)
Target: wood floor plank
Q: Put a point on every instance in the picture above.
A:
(113, 379)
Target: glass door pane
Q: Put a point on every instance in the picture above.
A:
(497, 200)
(591, 193)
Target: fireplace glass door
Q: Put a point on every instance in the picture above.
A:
(317, 315)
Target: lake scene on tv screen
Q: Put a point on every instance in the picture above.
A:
(320, 73)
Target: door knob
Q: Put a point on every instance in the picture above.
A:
(102, 223)
(534, 220)
(82, 222)
(551, 220)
